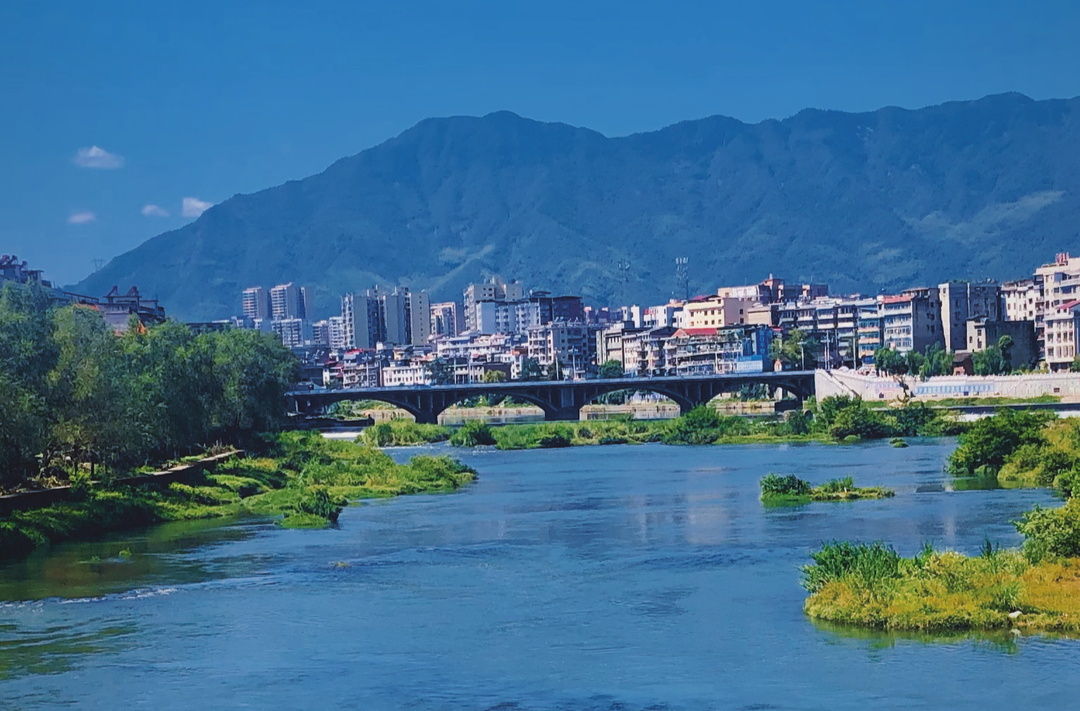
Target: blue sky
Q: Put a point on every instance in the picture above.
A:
(203, 100)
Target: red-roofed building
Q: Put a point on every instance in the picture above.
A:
(712, 351)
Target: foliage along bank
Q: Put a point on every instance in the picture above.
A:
(1034, 588)
(302, 479)
(833, 419)
(78, 401)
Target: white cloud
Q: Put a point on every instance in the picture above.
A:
(154, 211)
(81, 218)
(193, 207)
(94, 157)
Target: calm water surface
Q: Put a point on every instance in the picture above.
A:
(595, 578)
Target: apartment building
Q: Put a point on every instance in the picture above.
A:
(1021, 300)
(562, 342)
(644, 351)
(255, 303)
(609, 342)
(335, 333)
(493, 290)
(293, 332)
(288, 301)
(717, 311)
(871, 329)
(709, 351)
(962, 301)
(320, 333)
(404, 374)
(669, 315)
(398, 318)
(1061, 326)
(982, 333)
(447, 319)
(911, 321)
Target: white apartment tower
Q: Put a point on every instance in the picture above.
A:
(256, 303)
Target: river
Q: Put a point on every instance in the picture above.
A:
(645, 577)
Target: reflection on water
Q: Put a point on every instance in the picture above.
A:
(999, 640)
(54, 649)
(615, 577)
(173, 553)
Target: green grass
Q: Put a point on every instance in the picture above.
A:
(403, 433)
(303, 482)
(870, 585)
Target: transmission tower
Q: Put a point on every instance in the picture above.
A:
(98, 264)
(682, 277)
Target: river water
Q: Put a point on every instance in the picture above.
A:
(644, 577)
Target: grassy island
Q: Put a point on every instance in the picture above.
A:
(302, 480)
(935, 591)
(788, 490)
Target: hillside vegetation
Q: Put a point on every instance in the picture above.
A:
(880, 200)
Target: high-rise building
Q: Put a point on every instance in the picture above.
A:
(256, 303)
(418, 309)
(360, 320)
(446, 319)
(290, 301)
(398, 318)
(494, 290)
(293, 331)
(320, 333)
(962, 301)
(335, 333)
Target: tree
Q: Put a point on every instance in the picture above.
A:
(494, 376)
(794, 350)
(936, 361)
(1074, 367)
(531, 370)
(440, 372)
(994, 359)
(610, 369)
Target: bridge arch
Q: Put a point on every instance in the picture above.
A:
(400, 401)
(685, 404)
(444, 403)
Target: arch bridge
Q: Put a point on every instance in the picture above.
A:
(560, 399)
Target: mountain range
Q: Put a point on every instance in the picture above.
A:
(864, 202)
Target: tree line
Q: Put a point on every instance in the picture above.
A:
(75, 397)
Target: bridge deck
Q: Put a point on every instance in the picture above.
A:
(560, 399)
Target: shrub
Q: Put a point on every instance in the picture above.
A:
(837, 485)
(1051, 532)
(699, 426)
(472, 434)
(555, 440)
(773, 485)
(988, 443)
(798, 422)
(866, 564)
(859, 421)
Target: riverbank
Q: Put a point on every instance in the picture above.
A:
(835, 419)
(303, 480)
(1036, 588)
